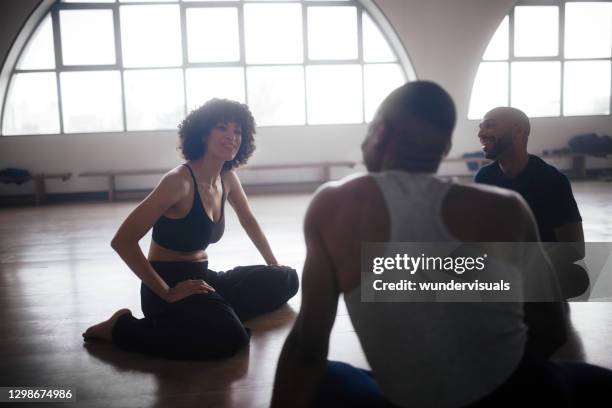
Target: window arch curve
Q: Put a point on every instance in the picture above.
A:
(550, 59)
(134, 65)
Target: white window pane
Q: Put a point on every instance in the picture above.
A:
(332, 33)
(586, 88)
(273, 33)
(536, 31)
(375, 46)
(88, 1)
(588, 30)
(212, 34)
(276, 95)
(91, 101)
(31, 105)
(88, 37)
(146, 1)
(39, 52)
(536, 87)
(207, 83)
(151, 36)
(490, 89)
(498, 46)
(154, 98)
(379, 80)
(334, 94)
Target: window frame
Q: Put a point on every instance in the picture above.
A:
(53, 8)
(560, 57)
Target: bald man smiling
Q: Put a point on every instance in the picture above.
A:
(504, 133)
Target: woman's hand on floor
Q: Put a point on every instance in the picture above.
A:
(187, 288)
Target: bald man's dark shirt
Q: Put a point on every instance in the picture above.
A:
(547, 191)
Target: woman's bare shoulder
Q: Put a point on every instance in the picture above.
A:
(176, 181)
(229, 175)
(230, 179)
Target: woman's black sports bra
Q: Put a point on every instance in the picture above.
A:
(195, 230)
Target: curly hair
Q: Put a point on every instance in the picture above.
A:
(195, 129)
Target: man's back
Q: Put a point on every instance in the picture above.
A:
(427, 354)
(355, 210)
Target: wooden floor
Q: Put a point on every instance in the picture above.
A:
(58, 275)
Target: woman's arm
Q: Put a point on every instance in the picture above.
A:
(167, 193)
(238, 200)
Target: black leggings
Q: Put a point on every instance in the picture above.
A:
(204, 326)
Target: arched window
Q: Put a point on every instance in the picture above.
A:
(548, 58)
(133, 65)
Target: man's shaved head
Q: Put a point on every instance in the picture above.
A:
(513, 116)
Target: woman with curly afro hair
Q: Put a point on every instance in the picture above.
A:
(192, 312)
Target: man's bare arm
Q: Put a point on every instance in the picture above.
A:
(304, 355)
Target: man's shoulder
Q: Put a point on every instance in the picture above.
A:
(547, 172)
(544, 167)
(361, 183)
(484, 212)
(344, 195)
(349, 210)
(482, 194)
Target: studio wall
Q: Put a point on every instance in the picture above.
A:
(445, 40)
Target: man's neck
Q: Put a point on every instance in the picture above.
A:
(412, 165)
(514, 163)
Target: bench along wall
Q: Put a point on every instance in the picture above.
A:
(445, 40)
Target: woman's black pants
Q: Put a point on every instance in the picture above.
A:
(204, 326)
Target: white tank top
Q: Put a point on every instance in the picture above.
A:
(433, 354)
